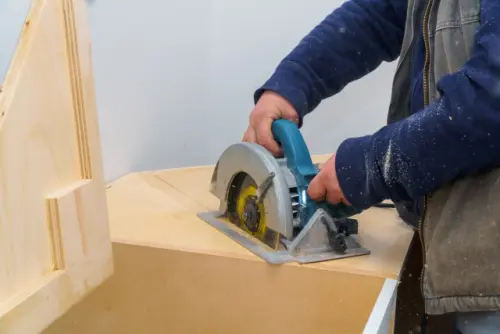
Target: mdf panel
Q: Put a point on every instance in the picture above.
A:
(156, 290)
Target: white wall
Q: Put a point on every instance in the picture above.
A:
(12, 15)
(175, 79)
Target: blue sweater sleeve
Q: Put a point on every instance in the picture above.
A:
(458, 135)
(349, 43)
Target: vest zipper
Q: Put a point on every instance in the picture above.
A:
(425, 31)
(425, 83)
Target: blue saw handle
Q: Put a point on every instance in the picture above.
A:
(295, 150)
(299, 162)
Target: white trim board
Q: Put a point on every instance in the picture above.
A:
(380, 318)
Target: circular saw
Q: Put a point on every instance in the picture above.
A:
(264, 205)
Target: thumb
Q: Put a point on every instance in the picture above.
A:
(316, 189)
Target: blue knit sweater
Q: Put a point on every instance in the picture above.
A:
(457, 135)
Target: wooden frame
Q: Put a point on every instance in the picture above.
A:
(54, 233)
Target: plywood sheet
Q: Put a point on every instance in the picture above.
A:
(54, 234)
(166, 203)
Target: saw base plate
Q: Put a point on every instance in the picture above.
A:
(304, 254)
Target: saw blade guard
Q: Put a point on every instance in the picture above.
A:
(258, 163)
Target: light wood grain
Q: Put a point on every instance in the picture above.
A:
(54, 234)
(167, 202)
(177, 274)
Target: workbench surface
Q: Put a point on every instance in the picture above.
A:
(175, 273)
(159, 209)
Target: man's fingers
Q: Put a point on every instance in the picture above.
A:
(263, 137)
(266, 139)
(316, 190)
(333, 197)
(250, 136)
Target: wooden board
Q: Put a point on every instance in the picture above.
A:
(176, 274)
(178, 194)
(54, 234)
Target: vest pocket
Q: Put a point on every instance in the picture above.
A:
(456, 23)
(462, 233)
(457, 13)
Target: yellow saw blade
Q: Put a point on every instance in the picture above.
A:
(249, 215)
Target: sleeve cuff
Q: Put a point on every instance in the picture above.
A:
(358, 172)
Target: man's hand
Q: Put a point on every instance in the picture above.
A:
(269, 108)
(325, 186)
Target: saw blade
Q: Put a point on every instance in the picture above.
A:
(247, 213)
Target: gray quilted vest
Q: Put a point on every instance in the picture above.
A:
(460, 222)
